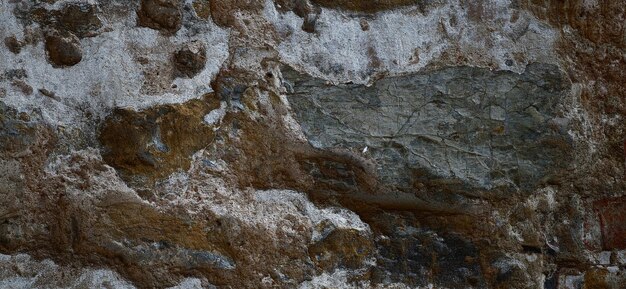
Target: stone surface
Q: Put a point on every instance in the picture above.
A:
(613, 226)
(190, 59)
(80, 19)
(164, 15)
(63, 50)
(312, 144)
(156, 142)
(13, 44)
(487, 129)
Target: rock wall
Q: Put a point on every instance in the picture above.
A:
(312, 144)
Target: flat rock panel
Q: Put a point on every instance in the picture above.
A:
(490, 129)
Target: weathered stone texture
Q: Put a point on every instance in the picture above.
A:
(448, 144)
(63, 50)
(487, 129)
(162, 15)
(190, 59)
(613, 226)
(153, 144)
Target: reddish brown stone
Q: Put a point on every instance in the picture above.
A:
(190, 59)
(63, 50)
(612, 214)
(153, 143)
(224, 12)
(163, 15)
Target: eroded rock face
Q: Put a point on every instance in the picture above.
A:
(487, 129)
(157, 142)
(312, 144)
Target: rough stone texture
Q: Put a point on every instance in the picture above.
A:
(190, 59)
(486, 129)
(162, 15)
(157, 142)
(612, 222)
(63, 50)
(80, 19)
(13, 44)
(312, 144)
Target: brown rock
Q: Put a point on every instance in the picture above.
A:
(18, 135)
(163, 15)
(593, 44)
(365, 26)
(309, 23)
(80, 19)
(223, 12)
(150, 144)
(63, 50)
(602, 23)
(202, 8)
(342, 247)
(596, 278)
(190, 59)
(13, 44)
(612, 213)
(23, 86)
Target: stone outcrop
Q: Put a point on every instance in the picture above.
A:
(486, 129)
(312, 144)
